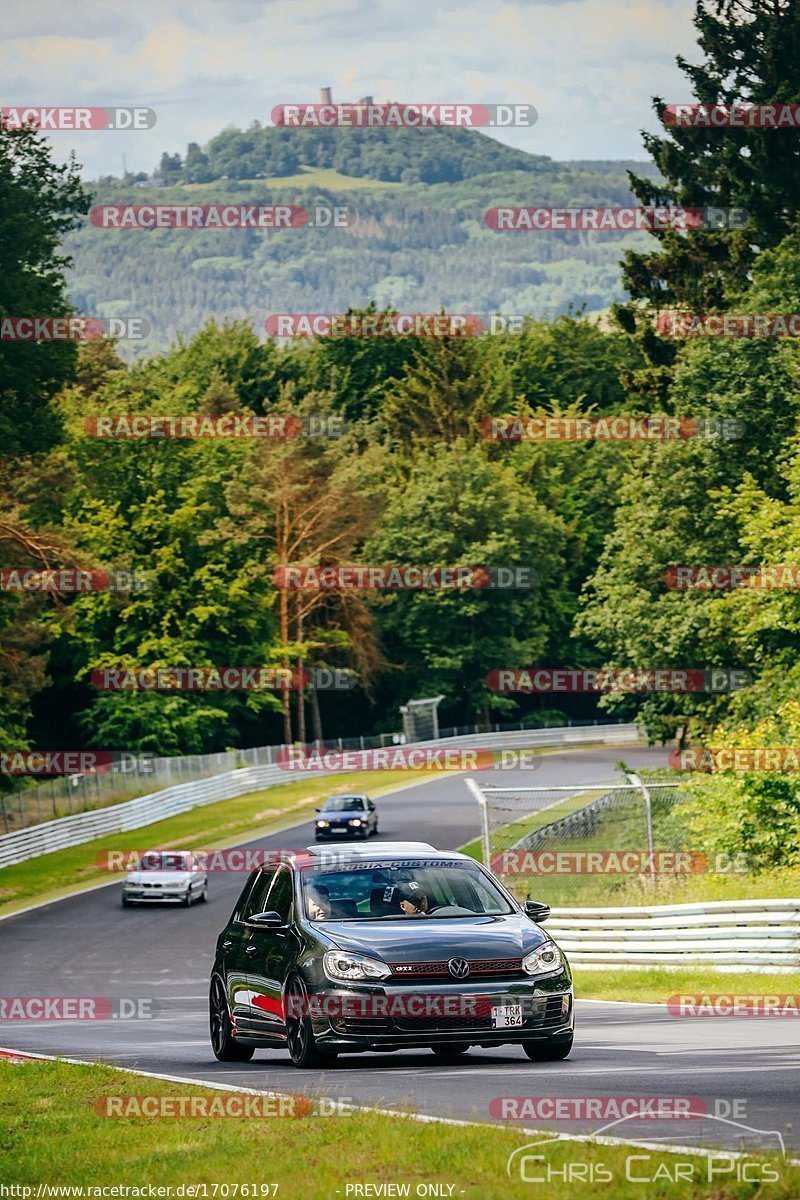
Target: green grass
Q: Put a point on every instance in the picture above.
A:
(317, 178)
(655, 985)
(55, 1135)
(215, 826)
(620, 829)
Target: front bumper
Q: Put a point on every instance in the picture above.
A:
(134, 897)
(396, 1017)
(345, 831)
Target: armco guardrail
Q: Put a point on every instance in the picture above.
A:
(135, 774)
(753, 935)
(134, 814)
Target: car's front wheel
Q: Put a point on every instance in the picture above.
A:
(223, 1043)
(300, 1041)
(548, 1051)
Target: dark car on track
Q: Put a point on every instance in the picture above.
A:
(344, 949)
(346, 816)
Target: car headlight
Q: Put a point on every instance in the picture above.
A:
(342, 967)
(323, 824)
(355, 822)
(544, 960)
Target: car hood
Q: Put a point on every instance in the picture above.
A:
(328, 814)
(174, 877)
(431, 940)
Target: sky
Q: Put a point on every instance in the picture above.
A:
(590, 67)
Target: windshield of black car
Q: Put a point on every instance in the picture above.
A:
(164, 862)
(374, 892)
(344, 804)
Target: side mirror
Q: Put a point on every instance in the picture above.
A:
(317, 810)
(537, 912)
(265, 920)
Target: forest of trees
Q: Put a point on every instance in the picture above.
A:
(411, 246)
(412, 480)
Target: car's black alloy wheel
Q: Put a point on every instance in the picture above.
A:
(223, 1043)
(303, 1049)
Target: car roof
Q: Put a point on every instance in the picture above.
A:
(388, 850)
(348, 796)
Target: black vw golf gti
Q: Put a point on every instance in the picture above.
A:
(344, 949)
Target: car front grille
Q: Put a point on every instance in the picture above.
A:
(482, 968)
(539, 1014)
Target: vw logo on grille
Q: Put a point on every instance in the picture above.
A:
(458, 968)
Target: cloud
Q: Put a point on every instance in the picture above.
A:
(589, 66)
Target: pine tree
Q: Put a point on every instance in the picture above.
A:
(752, 55)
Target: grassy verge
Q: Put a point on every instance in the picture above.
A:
(620, 830)
(55, 1135)
(226, 823)
(655, 985)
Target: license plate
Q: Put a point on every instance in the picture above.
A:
(505, 1016)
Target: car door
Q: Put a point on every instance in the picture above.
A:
(234, 947)
(373, 817)
(199, 877)
(270, 953)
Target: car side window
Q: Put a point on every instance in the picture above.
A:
(258, 894)
(279, 899)
(370, 806)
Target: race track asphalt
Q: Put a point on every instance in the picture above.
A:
(87, 945)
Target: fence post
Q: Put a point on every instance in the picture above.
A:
(484, 809)
(636, 781)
